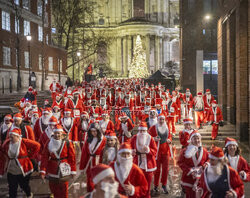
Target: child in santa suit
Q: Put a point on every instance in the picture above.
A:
(124, 128)
(91, 152)
(58, 162)
(215, 118)
(235, 160)
(185, 133)
(192, 160)
(110, 151)
(218, 179)
(107, 126)
(145, 152)
(163, 139)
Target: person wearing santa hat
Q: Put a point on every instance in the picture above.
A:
(57, 112)
(54, 88)
(19, 152)
(172, 113)
(103, 103)
(199, 110)
(30, 95)
(132, 181)
(5, 127)
(58, 101)
(208, 98)
(152, 119)
(58, 162)
(26, 130)
(192, 160)
(46, 104)
(218, 179)
(76, 104)
(128, 102)
(42, 123)
(91, 152)
(70, 125)
(145, 150)
(83, 126)
(26, 109)
(95, 107)
(106, 125)
(105, 183)
(215, 118)
(163, 138)
(35, 116)
(88, 96)
(235, 160)
(124, 126)
(188, 104)
(185, 133)
(110, 151)
(176, 98)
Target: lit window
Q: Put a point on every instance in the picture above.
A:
(40, 33)
(5, 21)
(39, 8)
(26, 30)
(26, 59)
(50, 63)
(26, 4)
(206, 67)
(17, 29)
(214, 66)
(204, 31)
(53, 30)
(6, 56)
(40, 62)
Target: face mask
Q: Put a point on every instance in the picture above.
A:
(110, 190)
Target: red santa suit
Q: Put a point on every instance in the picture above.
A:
(70, 127)
(171, 117)
(215, 117)
(184, 135)
(177, 100)
(199, 110)
(54, 88)
(59, 103)
(208, 98)
(107, 126)
(90, 157)
(188, 104)
(39, 128)
(163, 152)
(26, 150)
(52, 156)
(145, 159)
(190, 159)
(77, 107)
(124, 130)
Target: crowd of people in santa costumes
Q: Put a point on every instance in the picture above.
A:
(122, 131)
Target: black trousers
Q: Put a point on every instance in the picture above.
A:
(14, 181)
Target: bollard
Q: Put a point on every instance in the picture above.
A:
(3, 85)
(10, 85)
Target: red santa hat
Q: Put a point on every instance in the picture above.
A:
(53, 120)
(56, 106)
(111, 135)
(158, 102)
(46, 110)
(194, 133)
(93, 97)
(35, 113)
(229, 141)
(28, 102)
(153, 110)
(105, 113)
(67, 111)
(123, 115)
(161, 116)
(84, 114)
(30, 88)
(18, 116)
(125, 147)
(143, 126)
(46, 100)
(174, 92)
(58, 128)
(208, 91)
(199, 93)
(76, 91)
(16, 131)
(8, 117)
(187, 90)
(101, 171)
(216, 153)
(214, 102)
(188, 121)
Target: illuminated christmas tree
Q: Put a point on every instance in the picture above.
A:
(138, 67)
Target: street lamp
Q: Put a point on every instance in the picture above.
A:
(207, 17)
(78, 56)
(28, 37)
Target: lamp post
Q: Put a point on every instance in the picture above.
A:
(28, 37)
(78, 56)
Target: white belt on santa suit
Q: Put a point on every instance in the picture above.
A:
(97, 158)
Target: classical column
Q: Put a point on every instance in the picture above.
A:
(160, 52)
(118, 55)
(156, 52)
(129, 50)
(147, 44)
(125, 56)
(163, 51)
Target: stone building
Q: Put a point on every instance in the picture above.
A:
(19, 19)
(234, 61)
(156, 21)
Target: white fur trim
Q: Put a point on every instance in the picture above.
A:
(133, 191)
(231, 142)
(125, 150)
(15, 134)
(215, 158)
(53, 123)
(103, 174)
(73, 172)
(162, 116)
(188, 122)
(142, 128)
(111, 137)
(58, 130)
(67, 111)
(17, 118)
(195, 134)
(43, 172)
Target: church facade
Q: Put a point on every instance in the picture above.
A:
(156, 21)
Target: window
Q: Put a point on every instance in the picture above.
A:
(60, 65)
(16, 2)
(40, 33)
(50, 63)
(206, 67)
(17, 29)
(6, 56)
(214, 66)
(26, 4)
(26, 59)
(47, 39)
(5, 21)
(210, 67)
(26, 30)
(40, 64)
(39, 8)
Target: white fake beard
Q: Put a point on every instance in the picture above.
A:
(152, 122)
(45, 119)
(191, 151)
(127, 100)
(84, 125)
(142, 138)
(13, 149)
(57, 115)
(54, 145)
(174, 98)
(209, 96)
(33, 120)
(110, 190)
(214, 172)
(199, 102)
(162, 129)
(124, 127)
(49, 132)
(6, 127)
(111, 154)
(125, 165)
(67, 121)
